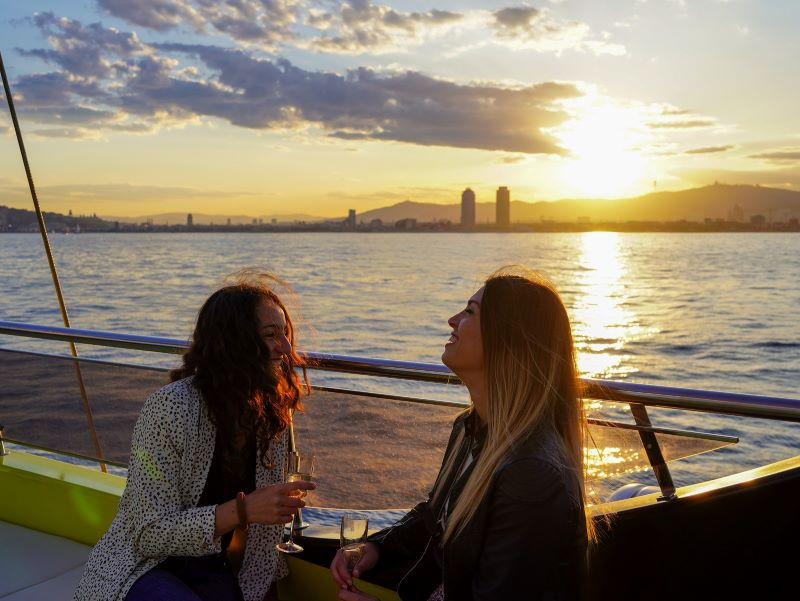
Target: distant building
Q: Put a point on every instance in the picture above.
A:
(255, 221)
(468, 208)
(229, 220)
(503, 207)
(758, 220)
(736, 214)
(274, 221)
(351, 219)
(406, 224)
(189, 220)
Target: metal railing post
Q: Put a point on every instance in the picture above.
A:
(654, 455)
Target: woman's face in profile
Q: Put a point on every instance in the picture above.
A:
(274, 331)
(463, 352)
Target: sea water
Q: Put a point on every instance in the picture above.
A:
(712, 311)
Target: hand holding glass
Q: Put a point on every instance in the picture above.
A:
(300, 468)
(353, 538)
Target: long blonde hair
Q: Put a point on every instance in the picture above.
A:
(532, 383)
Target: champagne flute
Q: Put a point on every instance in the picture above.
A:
(300, 467)
(353, 539)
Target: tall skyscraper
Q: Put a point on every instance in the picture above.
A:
(503, 208)
(351, 219)
(189, 220)
(468, 208)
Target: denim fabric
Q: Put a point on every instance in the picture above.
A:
(207, 578)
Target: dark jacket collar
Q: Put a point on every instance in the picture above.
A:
(475, 431)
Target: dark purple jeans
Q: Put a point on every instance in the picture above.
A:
(207, 578)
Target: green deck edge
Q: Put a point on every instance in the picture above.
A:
(56, 497)
(78, 503)
(310, 582)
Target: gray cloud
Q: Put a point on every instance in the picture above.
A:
(69, 133)
(360, 26)
(534, 28)
(84, 50)
(775, 177)
(348, 27)
(55, 88)
(517, 17)
(406, 107)
(671, 110)
(262, 22)
(160, 15)
(689, 124)
(123, 84)
(102, 193)
(77, 99)
(352, 26)
(710, 149)
(779, 156)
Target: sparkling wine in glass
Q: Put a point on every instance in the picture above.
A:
(299, 467)
(353, 538)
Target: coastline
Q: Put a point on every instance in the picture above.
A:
(670, 227)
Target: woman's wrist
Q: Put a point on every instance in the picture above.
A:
(225, 518)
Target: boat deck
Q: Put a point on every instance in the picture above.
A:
(719, 537)
(715, 539)
(36, 566)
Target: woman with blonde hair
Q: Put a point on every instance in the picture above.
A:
(505, 518)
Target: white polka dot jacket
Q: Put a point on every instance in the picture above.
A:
(158, 517)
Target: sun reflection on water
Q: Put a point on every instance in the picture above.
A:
(609, 462)
(602, 324)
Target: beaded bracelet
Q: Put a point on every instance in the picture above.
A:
(240, 510)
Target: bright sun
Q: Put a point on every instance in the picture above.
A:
(601, 142)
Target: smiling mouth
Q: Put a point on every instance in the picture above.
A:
(453, 338)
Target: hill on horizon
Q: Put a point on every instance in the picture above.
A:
(696, 204)
(207, 219)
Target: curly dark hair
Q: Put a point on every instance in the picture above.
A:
(230, 364)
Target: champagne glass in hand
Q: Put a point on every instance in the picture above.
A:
(353, 538)
(300, 468)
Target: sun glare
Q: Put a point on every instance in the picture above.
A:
(603, 324)
(601, 142)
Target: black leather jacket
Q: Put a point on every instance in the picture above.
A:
(527, 539)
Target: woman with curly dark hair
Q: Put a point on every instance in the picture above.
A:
(205, 501)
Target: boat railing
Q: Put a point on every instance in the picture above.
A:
(658, 444)
(785, 409)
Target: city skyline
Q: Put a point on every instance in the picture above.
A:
(314, 107)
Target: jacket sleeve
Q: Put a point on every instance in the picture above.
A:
(162, 524)
(531, 531)
(405, 539)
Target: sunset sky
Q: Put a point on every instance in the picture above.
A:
(265, 107)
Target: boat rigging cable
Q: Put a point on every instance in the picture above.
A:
(54, 274)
